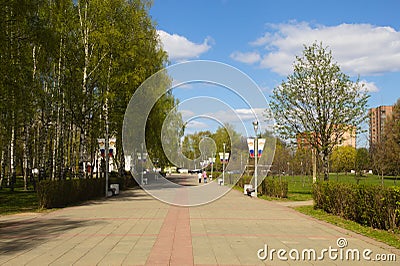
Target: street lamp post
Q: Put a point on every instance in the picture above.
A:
(212, 161)
(255, 125)
(223, 166)
(141, 163)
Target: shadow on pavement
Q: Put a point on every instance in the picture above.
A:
(130, 194)
(16, 236)
(184, 180)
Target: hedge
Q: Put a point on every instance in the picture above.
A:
(375, 206)
(270, 187)
(60, 193)
(274, 188)
(125, 181)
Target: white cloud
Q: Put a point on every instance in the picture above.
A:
(248, 58)
(369, 86)
(358, 48)
(181, 85)
(186, 114)
(179, 48)
(196, 125)
(228, 116)
(239, 115)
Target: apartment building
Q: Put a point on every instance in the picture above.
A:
(377, 121)
(349, 138)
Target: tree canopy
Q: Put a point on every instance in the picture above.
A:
(344, 159)
(319, 102)
(68, 68)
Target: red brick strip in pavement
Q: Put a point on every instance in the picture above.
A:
(174, 243)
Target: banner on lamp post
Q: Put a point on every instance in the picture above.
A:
(250, 144)
(260, 146)
(223, 158)
(226, 159)
(102, 146)
(112, 151)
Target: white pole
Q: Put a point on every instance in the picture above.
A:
(255, 165)
(255, 124)
(223, 167)
(107, 147)
(141, 168)
(212, 160)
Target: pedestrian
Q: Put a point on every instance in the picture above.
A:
(199, 176)
(205, 176)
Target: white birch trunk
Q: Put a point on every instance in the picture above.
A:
(1, 169)
(85, 39)
(25, 158)
(12, 168)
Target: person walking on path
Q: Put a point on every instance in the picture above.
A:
(205, 176)
(199, 176)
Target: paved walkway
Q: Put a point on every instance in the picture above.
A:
(135, 229)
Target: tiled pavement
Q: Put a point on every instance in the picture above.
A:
(135, 229)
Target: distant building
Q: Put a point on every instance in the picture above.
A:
(377, 121)
(348, 139)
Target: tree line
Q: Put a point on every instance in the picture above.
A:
(382, 158)
(68, 68)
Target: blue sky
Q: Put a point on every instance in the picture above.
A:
(262, 38)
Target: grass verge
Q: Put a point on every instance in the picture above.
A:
(18, 201)
(390, 238)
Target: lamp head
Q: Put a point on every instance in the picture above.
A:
(255, 125)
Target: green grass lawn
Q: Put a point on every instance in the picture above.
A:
(390, 238)
(18, 200)
(300, 187)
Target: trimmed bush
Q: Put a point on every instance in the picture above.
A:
(125, 181)
(60, 193)
(274, 188)
(375, 206)
(270, 187)
(245, 179)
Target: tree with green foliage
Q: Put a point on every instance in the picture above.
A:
(66, 67)
(282, 158)
(302, 163)
(343, 159)
(319, 102)
(226, 134)
(191, 144)
(230, 137)
(392, 139)
(362, 160)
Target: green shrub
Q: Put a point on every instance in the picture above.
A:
(245, 179)
(375, 206)
(274, 188)
(269, 187)
(125, 181)
(60, 193)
